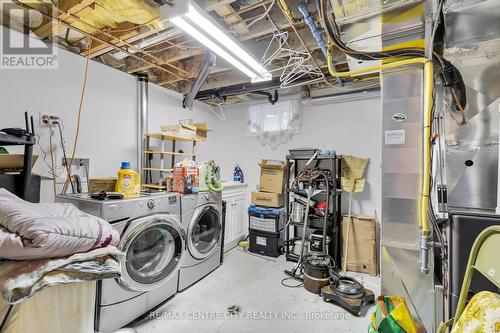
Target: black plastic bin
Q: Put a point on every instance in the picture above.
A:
(266, 243)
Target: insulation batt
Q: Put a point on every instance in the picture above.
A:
(112, 13)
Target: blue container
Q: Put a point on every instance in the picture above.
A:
(266, 219)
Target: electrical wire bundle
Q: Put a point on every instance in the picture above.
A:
(327, 20)
(450, 76)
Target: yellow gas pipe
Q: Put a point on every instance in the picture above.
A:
(428, 97)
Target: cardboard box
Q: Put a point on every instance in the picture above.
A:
(267, 199)
(201, 131)
(272, 176)
(180, 129)
(102, 184)
(187, 128)
(186, 180)
(362, 252)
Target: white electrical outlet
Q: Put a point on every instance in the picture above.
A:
(46, 119)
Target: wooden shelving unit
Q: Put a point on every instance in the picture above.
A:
(154, 186)
(155, 152)
(158, 169)
(166, 167)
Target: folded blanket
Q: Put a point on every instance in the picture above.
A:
(39, 231)
(21, 279)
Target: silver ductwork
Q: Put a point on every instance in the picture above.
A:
(208, 64)
(142, 119)
(472, 174)
(471, 21)
(406, 255)
(465, 157)
(473, 46)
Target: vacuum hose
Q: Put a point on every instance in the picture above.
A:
(313, 178)
(304, 228)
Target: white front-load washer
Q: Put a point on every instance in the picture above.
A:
(153, 242)
(202, 221)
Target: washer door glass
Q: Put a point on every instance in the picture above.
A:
(205, 232)
(154, 252)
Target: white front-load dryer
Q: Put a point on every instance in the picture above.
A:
(153, 242)
(202, 222)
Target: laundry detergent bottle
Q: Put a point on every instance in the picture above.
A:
(129, 183)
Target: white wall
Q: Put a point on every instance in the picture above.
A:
(352, 128)
(108, 127)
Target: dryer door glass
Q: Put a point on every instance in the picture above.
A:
(154, 253)
(205, 232)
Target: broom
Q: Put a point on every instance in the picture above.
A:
(353, 169)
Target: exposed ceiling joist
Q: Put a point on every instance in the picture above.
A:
(173, 58)
(73, 7)
(233, 19)
(209, 5)
(259, 31)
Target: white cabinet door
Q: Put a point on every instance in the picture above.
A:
(228, 231)
(240, 217)
(236, 216)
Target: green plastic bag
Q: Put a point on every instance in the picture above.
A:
(391, 316)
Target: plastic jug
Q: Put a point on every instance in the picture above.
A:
(129, 183)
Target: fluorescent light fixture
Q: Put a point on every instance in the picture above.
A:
(182, 24)
(204, 31)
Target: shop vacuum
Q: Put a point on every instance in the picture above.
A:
(317, 270)
(347, 293)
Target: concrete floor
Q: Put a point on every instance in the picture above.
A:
(253, 283)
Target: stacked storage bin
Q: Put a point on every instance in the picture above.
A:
(267, 214)
(266, 226)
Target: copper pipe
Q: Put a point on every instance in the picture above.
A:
(62, 12)
(103, 41)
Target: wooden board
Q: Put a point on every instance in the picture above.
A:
(154, 186)
(173, 137)
(158, 169)
(156, 152)
(13, 162)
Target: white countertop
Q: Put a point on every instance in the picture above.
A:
(229, 185)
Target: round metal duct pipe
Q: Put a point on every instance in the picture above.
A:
(142, 118)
